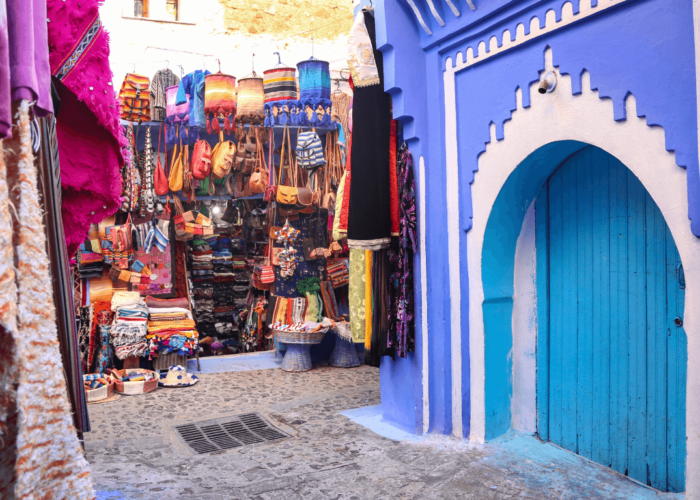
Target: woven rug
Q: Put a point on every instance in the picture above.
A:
(48, 459)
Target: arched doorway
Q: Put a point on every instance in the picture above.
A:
(612, 351)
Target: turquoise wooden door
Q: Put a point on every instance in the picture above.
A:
(612, 351)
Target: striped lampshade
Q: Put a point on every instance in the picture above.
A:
(219, 101)
(280, 95)
(314, 91)
(251, 100)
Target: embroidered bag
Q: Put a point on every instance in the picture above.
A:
(135, 98)
(201, 160)
(310, 151)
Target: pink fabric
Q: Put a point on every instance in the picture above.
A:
(91, 141)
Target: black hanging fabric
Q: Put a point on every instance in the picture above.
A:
(369, 219)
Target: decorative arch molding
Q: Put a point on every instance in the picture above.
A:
(540, 23)
(535, 141)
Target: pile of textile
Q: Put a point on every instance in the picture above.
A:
(171, 329)
(90, 260)
(130, 326)
(213, 280)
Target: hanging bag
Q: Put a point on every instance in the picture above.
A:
(160, 181)
(176, 171)
(259, 179)
(222, 157)
(310, 150)
(201, 160)
(135, 98)
(287, 195)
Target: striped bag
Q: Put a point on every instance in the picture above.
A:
(310, 151)
(338, 272)
(135, 98)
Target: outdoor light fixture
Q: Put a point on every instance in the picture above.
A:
(548, 84)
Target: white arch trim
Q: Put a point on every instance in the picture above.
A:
(641, 148)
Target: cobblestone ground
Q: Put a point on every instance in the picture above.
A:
(134, 453)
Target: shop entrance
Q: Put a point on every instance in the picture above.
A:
(612, 350)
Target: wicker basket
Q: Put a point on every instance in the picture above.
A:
(300, 337)
(135, 388)
(344, 355)
(104, 392)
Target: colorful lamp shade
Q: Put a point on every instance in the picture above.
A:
(280, 95)
(175, 116)
(220, 101)
(314, 93)
(251, 101)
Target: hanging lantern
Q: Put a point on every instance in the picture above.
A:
(220, 101)
(251, 101)
(280, 96)
(314, 93)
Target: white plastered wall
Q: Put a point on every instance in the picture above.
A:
(641, 148)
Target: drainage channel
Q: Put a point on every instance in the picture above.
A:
(226, 433)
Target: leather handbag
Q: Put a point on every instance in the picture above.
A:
(222, 157)
(259, 179)
(160, 181)
(286, 195)
(176, 172)
(201, 160)
(135, 98)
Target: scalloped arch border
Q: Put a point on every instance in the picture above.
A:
(483, 48)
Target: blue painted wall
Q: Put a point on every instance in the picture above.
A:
(638, 46)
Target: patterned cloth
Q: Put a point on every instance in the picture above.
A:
(163, 79)
(357, 295)
(401, 308)
(192, 85)
(363, 66)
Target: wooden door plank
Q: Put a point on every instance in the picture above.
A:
(637, 329)
(677, 370)
(584, 247)
(556, 292)
(543, 280)
(618, 319)
(570, 305)
(656, 346)
(601, 312)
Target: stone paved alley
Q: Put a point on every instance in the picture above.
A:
(135, 454)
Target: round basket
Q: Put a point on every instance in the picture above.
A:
(300, 337)
(104, 392)
(135, 388)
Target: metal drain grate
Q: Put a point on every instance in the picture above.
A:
(228, 432)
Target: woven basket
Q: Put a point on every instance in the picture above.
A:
(344, 355)
(300, 337)
(135, 388)
(104, 392)
(296, 359)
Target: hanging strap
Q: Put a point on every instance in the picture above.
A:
(284, 141)
(271, 148)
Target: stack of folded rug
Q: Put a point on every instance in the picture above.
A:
(129, 329)
(171, 329)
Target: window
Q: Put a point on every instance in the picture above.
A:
(140, 8)
(171, 9)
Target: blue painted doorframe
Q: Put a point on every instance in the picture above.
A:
(612, 353)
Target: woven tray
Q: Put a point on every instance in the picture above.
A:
(300, 337)
(104, 392)
(134, 388)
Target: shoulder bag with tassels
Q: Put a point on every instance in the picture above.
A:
(259, 179)
(176, 172)
(222, 157)
(286, 195)
(160, 181)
